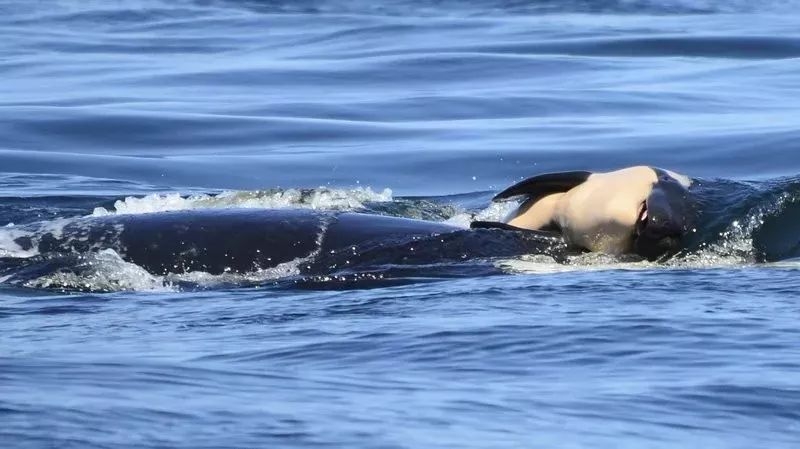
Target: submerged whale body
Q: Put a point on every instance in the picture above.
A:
(244, 240)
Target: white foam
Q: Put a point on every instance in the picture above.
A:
(205, 279)
(543, 264)
(103, 271)
(106, 271)
(55, 226)
(793, 264)
(321, 198)
(494, 212)
(8, 245)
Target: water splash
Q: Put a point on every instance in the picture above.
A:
(8, 242)
(493, 212)
(102, 271)
(321, 198)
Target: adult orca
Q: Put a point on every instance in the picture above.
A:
(244, 240)
(643, 210)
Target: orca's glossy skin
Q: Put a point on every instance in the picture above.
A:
(670, 216)
(643, 210)
(243, 240)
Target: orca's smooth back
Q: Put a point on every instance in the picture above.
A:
(352, 229)
(222, 240)
(245, 240)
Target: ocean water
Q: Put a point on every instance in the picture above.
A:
(413, 109)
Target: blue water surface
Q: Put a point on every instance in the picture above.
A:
(418, 109)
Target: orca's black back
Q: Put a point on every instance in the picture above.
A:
(244, 240)
(216, 241)
(221, 240)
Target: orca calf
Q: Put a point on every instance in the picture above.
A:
(643, 210)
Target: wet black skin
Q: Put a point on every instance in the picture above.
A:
(669, 218)
(243, 240)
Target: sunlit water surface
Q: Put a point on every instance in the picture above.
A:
(421, 110)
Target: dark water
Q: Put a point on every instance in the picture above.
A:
(413, 109)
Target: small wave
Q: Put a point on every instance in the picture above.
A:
(542, 264)
(747, 222)
(107, 271)
(493, 212)
(103, 271)
(203, 280)
(321, 198)
(156, 12)
(8, 243)
(510, 7)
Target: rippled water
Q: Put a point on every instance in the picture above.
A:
(412, 109)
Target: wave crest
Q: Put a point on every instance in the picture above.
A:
(321, 198)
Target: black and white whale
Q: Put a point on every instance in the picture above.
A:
(640, 210)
